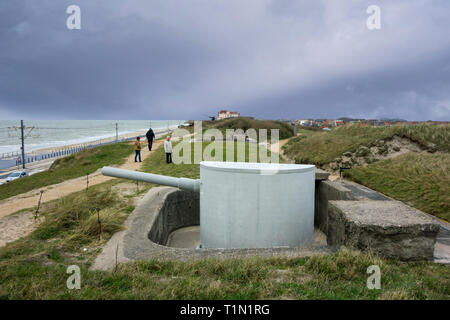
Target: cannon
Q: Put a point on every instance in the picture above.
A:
(180, 183)
(247, 205)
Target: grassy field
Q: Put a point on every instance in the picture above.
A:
(320, 147)
(157, 162)
(34, 267)
(285, 130)
(73, 166)
(418, 179)
(337, 276)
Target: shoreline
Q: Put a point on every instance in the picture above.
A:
(99, 141)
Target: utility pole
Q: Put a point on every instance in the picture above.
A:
(23, 144)
(117, 132)
(24, 133)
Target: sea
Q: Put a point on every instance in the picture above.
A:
(41, 134)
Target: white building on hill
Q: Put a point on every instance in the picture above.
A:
(224, 114)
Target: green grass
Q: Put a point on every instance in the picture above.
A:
(244, 123)
(333, 276)
(34, 267)
(320, 147)
(73, 166)
(420, 180)
(157, 162)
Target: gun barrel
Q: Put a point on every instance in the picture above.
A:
(181, 183)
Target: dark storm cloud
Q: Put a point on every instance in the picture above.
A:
(186, 59)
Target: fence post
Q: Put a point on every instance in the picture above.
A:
(39, 205)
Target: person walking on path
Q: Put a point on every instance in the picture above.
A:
(137, 149)
(150, 136)
(168, 149)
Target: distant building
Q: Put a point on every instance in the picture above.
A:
(225, 114)
(305, 122)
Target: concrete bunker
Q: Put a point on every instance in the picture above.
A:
(242, 205)
(346, 213)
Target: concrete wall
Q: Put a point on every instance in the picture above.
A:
(327, 190)
(367, 220)
(388, 228)
(181, 209)
(258, 205)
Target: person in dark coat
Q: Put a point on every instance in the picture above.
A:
(150, 136)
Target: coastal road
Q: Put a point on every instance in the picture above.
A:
(31, 168)
(5, 164)
(56, 191)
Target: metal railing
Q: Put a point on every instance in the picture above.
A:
(65, 151)
(9, 155)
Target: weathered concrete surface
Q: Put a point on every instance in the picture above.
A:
(360, 192)
(442, 252)
(322, 174)
(442, 246)
(134, 243)
(325, 191)
(187, 237)
(180, 209)
(389, 228)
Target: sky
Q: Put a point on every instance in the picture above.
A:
(188, 59)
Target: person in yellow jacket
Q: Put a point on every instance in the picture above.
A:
(137, 149)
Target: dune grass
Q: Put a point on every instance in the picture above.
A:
(73, 166)
(320, 147)
(42, 275)
(34, 267)
(245, 123)
(418, 179)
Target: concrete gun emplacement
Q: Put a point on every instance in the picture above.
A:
(246, 205)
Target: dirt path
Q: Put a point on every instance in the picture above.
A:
(279, 150)
(31, 198)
